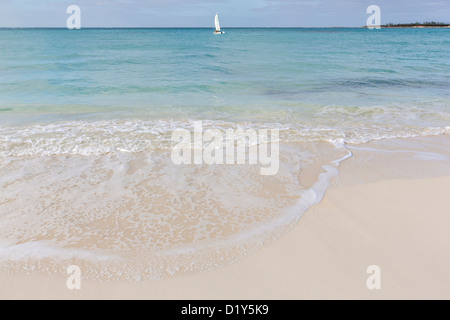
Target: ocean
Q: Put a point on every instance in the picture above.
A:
(86, 118)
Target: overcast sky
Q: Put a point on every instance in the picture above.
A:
(234, 13)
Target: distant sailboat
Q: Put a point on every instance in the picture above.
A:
(217, 23)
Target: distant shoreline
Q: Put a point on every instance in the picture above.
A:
(412, 27)
(416, 25)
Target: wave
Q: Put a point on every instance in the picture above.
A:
(137, 216)
(331, 124)
(123, 210)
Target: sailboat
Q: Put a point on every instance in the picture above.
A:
(217, 23)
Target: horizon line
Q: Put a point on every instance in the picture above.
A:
(65, 28)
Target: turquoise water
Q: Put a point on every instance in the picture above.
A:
(279, 75)
(86, 119)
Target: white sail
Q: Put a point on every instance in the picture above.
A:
(217, 23)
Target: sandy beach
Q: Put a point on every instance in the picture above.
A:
(400, 224)
(267, 150)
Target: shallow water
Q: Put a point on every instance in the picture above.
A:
(86, 119)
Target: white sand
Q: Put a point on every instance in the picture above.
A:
(401, 225)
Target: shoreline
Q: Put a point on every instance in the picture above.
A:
(396, 221)
(412, 27)
(416, 27)
(324, 257)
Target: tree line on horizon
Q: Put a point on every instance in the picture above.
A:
(418, 24)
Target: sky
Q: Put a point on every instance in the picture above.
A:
(234, 13)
